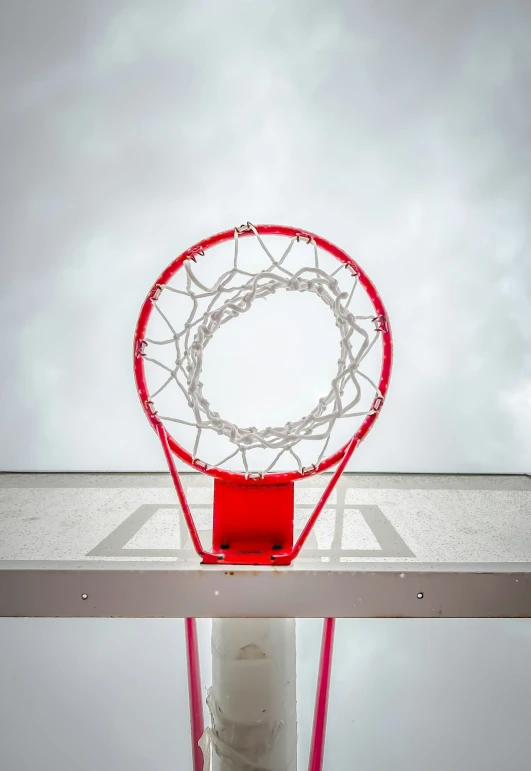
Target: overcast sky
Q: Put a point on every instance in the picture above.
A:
(406, 694)
(399, 130)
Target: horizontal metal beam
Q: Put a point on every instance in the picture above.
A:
(142, 590)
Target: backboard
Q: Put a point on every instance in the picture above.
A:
(115, 545)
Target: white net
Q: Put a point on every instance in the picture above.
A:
(351, 395)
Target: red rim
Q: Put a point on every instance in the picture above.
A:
(263, 230)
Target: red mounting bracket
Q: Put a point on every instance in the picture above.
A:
(252, 525)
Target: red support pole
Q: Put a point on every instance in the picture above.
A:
(194, 692)
(207, 556)
(321, 699)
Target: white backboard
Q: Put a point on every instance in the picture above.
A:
(386, 545)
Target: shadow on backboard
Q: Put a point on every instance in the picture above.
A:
(344, 532)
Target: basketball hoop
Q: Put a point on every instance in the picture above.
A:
(255, 473)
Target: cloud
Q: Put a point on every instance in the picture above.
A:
(399, 131)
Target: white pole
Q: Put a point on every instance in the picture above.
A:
(252, 701)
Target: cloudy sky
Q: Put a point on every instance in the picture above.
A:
(406, 694)
(399, 130)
